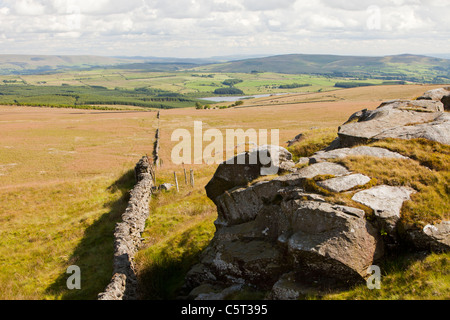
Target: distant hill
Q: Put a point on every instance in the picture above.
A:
(35, 64)
(30, 64)
(400, 65)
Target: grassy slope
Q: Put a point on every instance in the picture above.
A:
(61, 200)
(407, 277)
(409, 65)
(179, 228)
(39, 241)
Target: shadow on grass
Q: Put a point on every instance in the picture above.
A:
(163, 279)
(94, 254)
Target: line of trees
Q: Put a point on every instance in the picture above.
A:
(232, 82)
(352, 84)
(294, 86)
(230, 91)
(91, 95)
(199, 106)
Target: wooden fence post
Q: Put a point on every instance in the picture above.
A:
(192, 178)
(176, 181)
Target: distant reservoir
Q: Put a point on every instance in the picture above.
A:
(237, 98)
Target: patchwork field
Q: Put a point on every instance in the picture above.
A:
(65, 176)
(191, 83)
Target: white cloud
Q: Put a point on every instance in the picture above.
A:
(215, 27)
(4, 11)
(28, 8)
(258, 5)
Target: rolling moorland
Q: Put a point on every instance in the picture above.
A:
(65, 174)
(85, 82)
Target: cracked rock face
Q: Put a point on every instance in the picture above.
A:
(344, 183)
(248, 166)
(272, 228)
(386, 202)
(441, 94)
(397, 119)
(356, 151)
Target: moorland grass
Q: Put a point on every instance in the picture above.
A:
(55, 226)
(312, 142)
(406, 277)
(427, 172)
(180, 226)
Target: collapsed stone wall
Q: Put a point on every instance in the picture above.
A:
(123, 285)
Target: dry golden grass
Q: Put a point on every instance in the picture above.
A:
(376, 94)
(57, 167)
(180, 226)
(407, 278)
(427, 172)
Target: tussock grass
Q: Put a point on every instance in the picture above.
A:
(52, 227)
(407, 277)
(428, 174)
(60, 202)
(312, 142)
(180, 226)
(431, 154)
(163, 267)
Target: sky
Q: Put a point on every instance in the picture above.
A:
(205, 28)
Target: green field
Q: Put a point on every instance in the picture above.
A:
(119, 88)
(89, 96)
(102, 82)
(181, 82)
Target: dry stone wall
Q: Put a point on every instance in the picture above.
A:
(156, 159)
(123, 285)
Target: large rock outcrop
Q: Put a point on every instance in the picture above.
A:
(386, 202)
(401, 119)
(287, 237)
(441, 94)
(341, 153)
(248, 166)
(277, 227)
